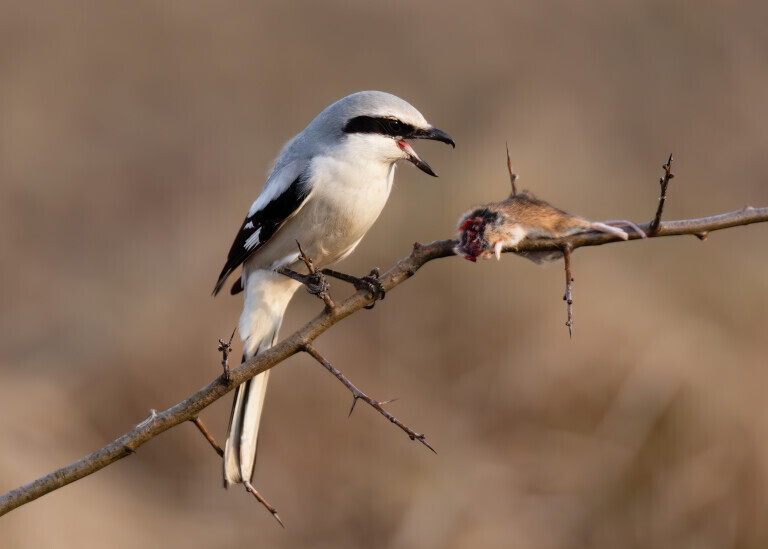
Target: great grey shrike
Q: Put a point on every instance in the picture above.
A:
(327, 187)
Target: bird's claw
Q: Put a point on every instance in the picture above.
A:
(317, 284)
(371, 284)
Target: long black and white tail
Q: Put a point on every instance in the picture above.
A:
(266, 297)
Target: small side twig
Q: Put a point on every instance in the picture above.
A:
(512, 174)
(358, 394)
(663, 181)
(568, 281)
(250, 489)
(246, 484)
(225, 348)
(207, 435)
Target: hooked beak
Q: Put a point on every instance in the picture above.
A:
(429, 133)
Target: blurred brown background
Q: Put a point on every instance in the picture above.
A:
(133, 138)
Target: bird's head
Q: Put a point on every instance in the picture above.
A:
(380, 124)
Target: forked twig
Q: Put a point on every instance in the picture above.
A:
(663, 181)
(568, 280)
(358, 394)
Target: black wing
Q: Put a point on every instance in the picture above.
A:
(259, 227)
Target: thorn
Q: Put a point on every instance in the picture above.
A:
(278, 519)
(352, 409)
(423, 440)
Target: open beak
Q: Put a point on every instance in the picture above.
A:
(429, 133)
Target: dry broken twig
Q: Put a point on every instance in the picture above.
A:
(663, 182)
(421, 254)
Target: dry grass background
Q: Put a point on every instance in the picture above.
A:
(134, 136)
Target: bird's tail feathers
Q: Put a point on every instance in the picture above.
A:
(267, 296)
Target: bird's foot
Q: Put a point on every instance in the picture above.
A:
(369, 283)
(315, 281)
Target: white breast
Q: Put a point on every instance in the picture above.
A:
(348, 194)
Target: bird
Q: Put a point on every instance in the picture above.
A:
(484, 231)
(326, 188)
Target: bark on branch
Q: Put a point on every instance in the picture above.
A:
(190, 407)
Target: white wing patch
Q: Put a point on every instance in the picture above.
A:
(253, 240)
(248, 225)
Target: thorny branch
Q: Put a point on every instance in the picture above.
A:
(189, 408)
(358, 394)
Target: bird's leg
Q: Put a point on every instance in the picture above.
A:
(369, 283)
(358, 394)
(314, 281)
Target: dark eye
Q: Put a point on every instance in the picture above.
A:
(395, 127)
